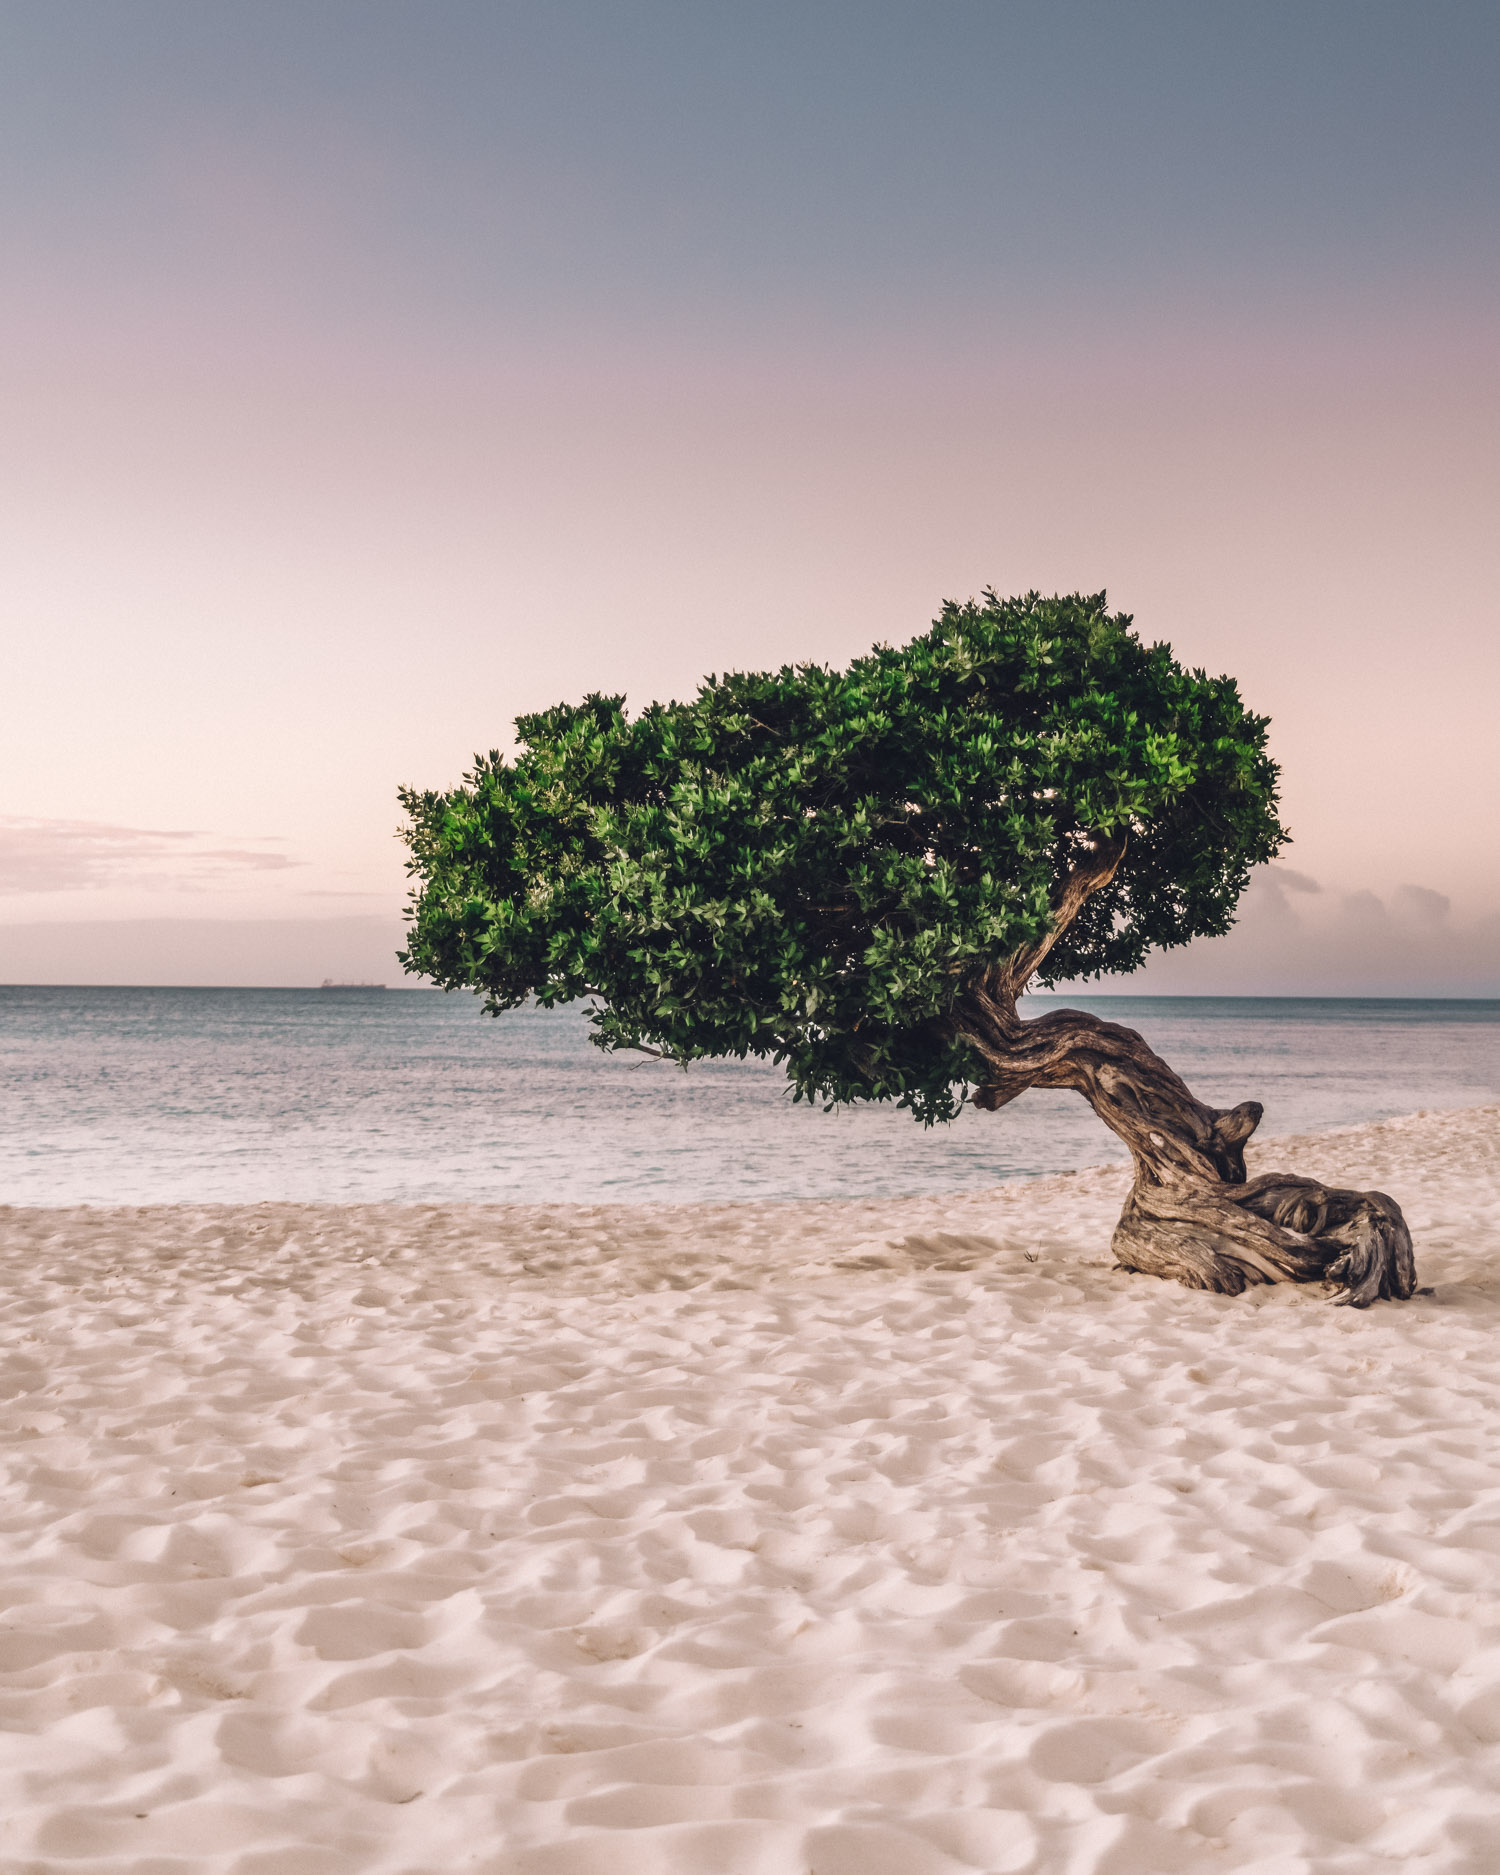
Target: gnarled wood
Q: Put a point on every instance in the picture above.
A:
(1192, 1213)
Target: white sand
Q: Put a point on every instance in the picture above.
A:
(747, 1541)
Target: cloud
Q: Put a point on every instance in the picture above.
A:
(1267, 895)
(1301, 940)
(38, 855)
(1290, 880)
(1421, 902)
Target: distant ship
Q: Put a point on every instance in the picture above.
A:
(329, 984)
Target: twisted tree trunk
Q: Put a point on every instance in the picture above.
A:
(1192, 1214)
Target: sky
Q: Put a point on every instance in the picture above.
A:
(372, 373)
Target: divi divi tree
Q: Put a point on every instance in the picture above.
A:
(857, 873)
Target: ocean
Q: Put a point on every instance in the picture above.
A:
(145, 1096)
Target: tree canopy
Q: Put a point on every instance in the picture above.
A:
(813, 864)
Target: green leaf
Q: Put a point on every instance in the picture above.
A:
(810, 865)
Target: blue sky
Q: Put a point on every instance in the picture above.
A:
(740, 171)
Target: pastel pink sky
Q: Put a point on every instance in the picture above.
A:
(303, 499)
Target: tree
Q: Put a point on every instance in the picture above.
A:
(858, 872)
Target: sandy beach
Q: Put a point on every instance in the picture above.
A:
(805, 1539)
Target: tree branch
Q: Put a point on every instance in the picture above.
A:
(1091, 875)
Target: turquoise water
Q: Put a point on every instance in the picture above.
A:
(111, 1096)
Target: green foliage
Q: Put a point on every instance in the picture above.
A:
(810, 864)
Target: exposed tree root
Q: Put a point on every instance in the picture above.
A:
(1275, 1229)
(1192, 1214)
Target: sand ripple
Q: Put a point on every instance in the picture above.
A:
(892, 1539)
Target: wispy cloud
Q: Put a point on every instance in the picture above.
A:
(40, 855)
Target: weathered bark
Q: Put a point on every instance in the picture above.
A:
(1192, 1214)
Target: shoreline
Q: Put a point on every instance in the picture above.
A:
(1261, 1151)
(680, 1244)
